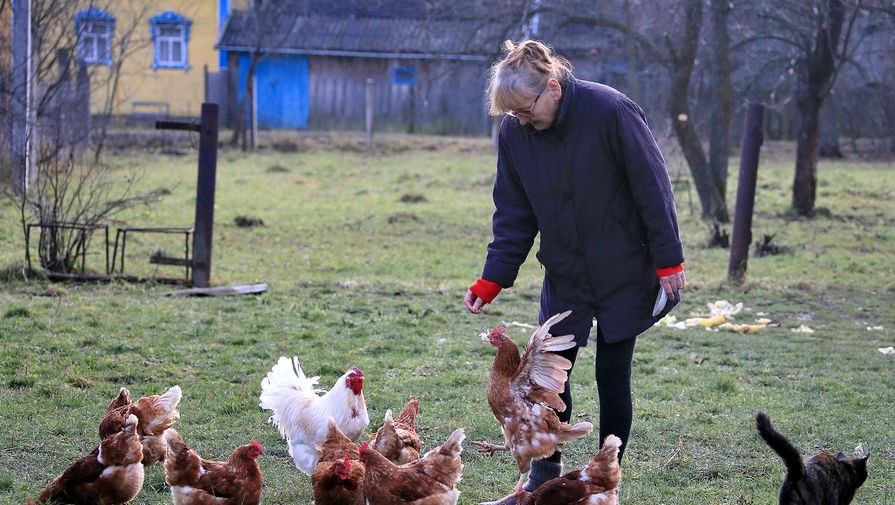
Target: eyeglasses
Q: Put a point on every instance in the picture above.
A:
(527, 114)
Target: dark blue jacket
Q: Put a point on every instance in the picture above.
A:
(596, 188)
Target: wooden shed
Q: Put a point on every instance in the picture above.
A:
(311, 71)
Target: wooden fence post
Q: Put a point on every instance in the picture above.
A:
(205, 187)
(203, 225)
(753, 137)
(253, 139)
(369, 114)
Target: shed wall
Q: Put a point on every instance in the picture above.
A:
(446, 97)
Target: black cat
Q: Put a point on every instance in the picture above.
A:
(822, 479)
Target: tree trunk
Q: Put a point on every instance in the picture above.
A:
(681, 69)
(679, 59)
(700, 171)
(829, 146)
(804, 185)
(816, 75)
(239, 125)
(722, 101)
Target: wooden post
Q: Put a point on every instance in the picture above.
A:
(203, 225)
(21, 107)
(253, 138)
(369, 115)
(205, 188)
(753, 137)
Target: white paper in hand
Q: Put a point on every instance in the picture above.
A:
(661, 300)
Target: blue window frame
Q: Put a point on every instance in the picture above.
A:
(95, 28)
(170, 40)
(404, 75)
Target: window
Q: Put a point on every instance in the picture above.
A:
(170, 39)
(95, 28)
(405, 76)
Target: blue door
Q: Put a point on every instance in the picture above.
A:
(282, 90)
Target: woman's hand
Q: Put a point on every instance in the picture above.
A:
(672, 283)
(473, 303)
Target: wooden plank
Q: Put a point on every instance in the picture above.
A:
(245, 289)
(166, 260)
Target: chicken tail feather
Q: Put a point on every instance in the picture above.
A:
(287, 373)
(604, 469)
(122, 400)
(176, 445)
(181, 464)
(170, 399)
(158, 413)
(282, 389)
(454, 443)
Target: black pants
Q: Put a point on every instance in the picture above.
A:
(613, 374)
(612, 364)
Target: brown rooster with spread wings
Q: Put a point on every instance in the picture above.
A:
(596, 483)
(397, 439)
(523, 392)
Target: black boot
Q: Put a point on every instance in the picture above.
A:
(541, 472)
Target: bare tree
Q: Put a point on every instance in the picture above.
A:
(68, 197)
(675, 50)
(723, 94)
(67, 191)
(816, 74)
(811, 41)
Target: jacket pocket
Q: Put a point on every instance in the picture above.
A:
(629, 235)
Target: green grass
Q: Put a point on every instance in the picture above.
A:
(367, 257)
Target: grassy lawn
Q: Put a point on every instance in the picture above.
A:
(367, 256)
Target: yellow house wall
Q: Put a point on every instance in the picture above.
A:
(182, 89)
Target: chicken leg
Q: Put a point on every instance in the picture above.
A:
(489, 448)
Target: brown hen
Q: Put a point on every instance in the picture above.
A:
(523, 393)
(110, 475)
(197, 481)
(155, 414)
(596, 483)
(397, 439)
(431, 480)
(338, 478)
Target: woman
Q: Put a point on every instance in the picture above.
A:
(578, 164)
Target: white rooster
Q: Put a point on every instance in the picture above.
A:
(302, 414)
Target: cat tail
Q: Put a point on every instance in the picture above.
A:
(794, 466)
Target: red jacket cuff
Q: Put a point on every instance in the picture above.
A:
(664, 272)
(485, 289)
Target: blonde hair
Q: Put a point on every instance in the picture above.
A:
(524, 70)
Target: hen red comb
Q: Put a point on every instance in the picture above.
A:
(498, 330)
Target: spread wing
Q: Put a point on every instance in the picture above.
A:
(541, 376)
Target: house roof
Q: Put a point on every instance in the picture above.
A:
(363, 37)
